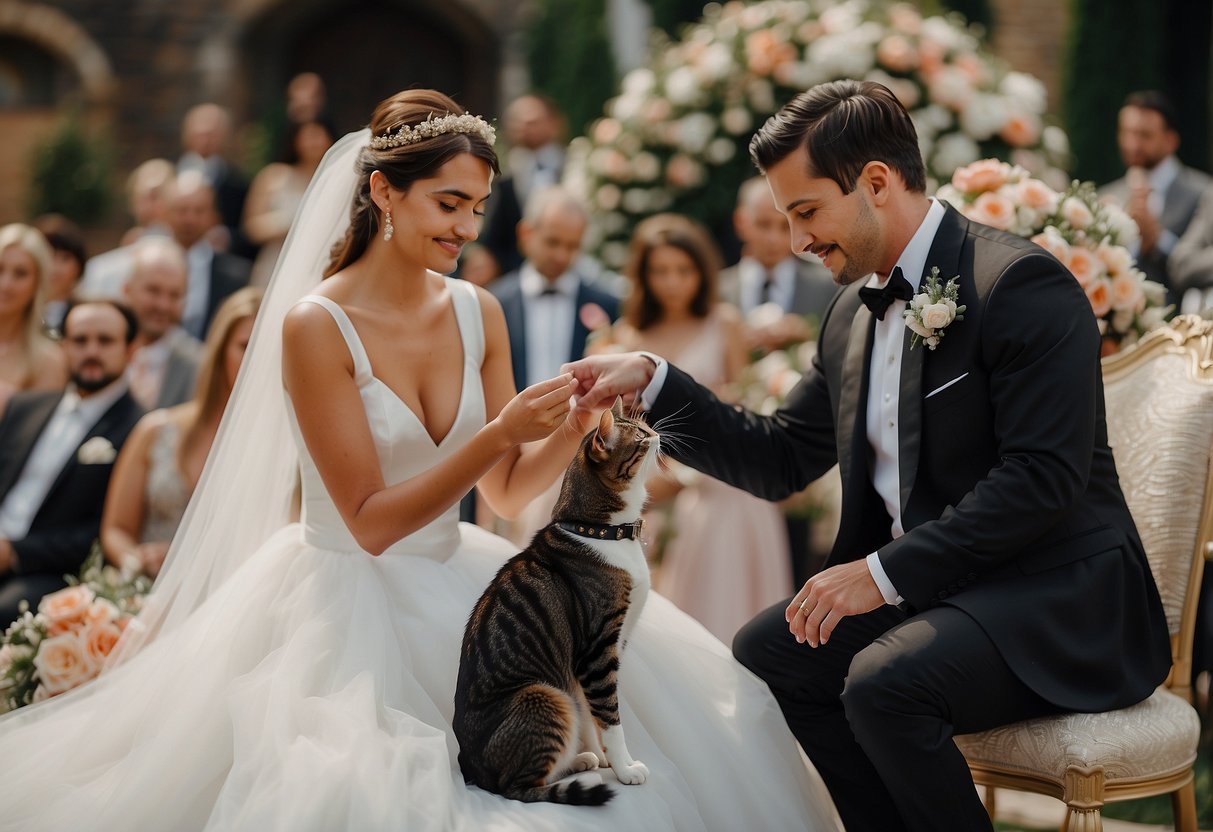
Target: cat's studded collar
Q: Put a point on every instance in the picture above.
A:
(602, 531)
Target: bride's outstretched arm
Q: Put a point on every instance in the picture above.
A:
(319, 376)
(527, 470)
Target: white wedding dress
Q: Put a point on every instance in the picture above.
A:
(313, 690)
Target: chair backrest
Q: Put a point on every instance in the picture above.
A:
(1159, 395)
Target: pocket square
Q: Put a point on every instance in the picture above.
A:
(943, 387)
(96, 451)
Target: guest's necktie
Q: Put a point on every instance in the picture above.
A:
(768, 286)
(879, 300)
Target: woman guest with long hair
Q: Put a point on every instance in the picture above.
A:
(727, 558)
(162, 460)
(29, 360)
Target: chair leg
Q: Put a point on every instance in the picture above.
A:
(991, 801)
(1083, 797)
(1183, 807)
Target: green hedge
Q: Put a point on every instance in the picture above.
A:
(569, 54)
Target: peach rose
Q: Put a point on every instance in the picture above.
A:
(897, 53)
(101, 611)
(764, 51)
(993, 209)
(67, 606)
(1085, 266)
(1099, 293)
(99, 640)
(606, 130)
(1126, 292)
(905, 18)
(1020, 130)
(983, 175)
(974, 68)
(1052, 242)
(1034, 194)
(1116, 258)
(63, 663)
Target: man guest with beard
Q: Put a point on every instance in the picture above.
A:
(56, 454)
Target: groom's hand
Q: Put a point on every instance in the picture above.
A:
(603, 377)
(830, 596)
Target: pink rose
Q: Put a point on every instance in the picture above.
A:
(983, 175)
(1099, 293)
(1085, 266)
(66, 608)
(1051, 241)
(993, 209)
(63, 663)
(1076, 213)
(1116, 258)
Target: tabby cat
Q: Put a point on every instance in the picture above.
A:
(536, 698)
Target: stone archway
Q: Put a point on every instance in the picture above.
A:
(67, 41)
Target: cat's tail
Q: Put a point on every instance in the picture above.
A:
(573, 792)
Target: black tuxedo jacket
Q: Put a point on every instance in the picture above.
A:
(508, 290)
(69, 519)
(1009, 494)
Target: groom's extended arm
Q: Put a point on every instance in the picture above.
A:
(769, 456)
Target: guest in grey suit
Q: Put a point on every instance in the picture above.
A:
(165, 361)
(1191, 261)
(1157, 191)
(769, 273)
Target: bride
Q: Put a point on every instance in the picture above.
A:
(301, 675)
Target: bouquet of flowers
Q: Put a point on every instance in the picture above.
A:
(676, 137)
(1088, 236)
(68, 640)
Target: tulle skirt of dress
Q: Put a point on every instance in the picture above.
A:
(314, 691)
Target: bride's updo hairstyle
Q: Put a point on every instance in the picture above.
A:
(404, 162)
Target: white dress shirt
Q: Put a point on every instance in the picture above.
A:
(753, 275)
(198, 290)
(1160, 179)
(550, 319)
(73, 418)
(884, 386)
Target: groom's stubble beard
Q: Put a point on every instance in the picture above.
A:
(862, 250)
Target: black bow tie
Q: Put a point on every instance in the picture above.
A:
(879, 300)
(549, 290)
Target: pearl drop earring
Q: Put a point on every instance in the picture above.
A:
(388, 228)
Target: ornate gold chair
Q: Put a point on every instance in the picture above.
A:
(1160, 423)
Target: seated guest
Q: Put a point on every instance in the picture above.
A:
(162, 460)
(67, 265)
(29, 360)
(147, 201)
(165, 359)
(56, 454)
(768, 272)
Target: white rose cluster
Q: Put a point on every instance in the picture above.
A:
(696, 103)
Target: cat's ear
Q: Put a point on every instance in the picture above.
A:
(617, 408)
(604, 437)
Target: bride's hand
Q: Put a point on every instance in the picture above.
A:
(538, 410)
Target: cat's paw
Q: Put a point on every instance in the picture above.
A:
(633, 774)
(587, 761)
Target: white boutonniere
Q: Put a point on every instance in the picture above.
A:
(931, 311)
(96, 451)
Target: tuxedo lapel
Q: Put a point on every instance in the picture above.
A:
(515, 318)
(20, 444)
(852, 400)
(105, 427)
(944, 253)
(580, 333)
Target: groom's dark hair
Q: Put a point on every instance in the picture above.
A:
(844, 125)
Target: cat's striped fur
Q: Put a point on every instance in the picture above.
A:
(536, 698)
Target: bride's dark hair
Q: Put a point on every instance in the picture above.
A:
(403, 165)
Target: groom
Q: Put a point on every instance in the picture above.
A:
(986, 569)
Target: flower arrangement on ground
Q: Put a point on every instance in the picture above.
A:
(1088, 236)
(67, 641)
(676, 137)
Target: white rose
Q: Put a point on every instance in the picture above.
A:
(937, 315)
(646, 167)
(914, 324)
(736, 120)
(1122, 319)
(952, 151)
(1055, 141)
(682, 86)
(716, 63)
(695, 131)
(720, 150)
(1153, 317)
(96, 451)
(983, 116)
(1025, 89)
(639, 81)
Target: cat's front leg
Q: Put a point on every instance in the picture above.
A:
(591, 756)
(630, 772)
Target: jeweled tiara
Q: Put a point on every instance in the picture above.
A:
(466, 123)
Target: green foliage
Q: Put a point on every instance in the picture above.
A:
(569, 54)
(974, 11)
(1114, 47)
(671, 15)
(70, 174)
